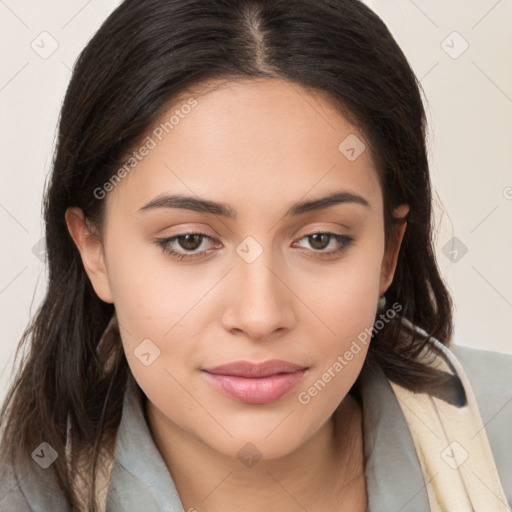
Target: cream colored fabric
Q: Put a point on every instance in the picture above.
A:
(452, 447)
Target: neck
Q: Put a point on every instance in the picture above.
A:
(326, 470)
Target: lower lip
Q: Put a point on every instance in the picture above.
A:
(257, 391)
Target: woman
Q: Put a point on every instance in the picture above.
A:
(244, 309)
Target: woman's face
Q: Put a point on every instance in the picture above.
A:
(254, 284)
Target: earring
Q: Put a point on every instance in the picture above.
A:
(381, 304)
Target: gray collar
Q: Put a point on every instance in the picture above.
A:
(393, 474)
(140, 479)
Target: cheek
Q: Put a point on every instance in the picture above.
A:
(344, 298)
(344, 305)
(156, 308)
(151, 294)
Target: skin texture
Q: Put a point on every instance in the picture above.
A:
(259, 146)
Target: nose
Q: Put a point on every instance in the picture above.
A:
(260, 303)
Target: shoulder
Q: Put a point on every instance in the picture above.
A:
(11, 495)
(490, 376)
(490, 373)
(34, 490)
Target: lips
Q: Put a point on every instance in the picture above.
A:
(255, 370)
(255, 383)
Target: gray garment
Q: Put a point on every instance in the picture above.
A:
(141, 481)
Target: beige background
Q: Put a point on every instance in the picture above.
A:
(469, 93)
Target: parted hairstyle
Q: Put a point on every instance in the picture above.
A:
(144, 55)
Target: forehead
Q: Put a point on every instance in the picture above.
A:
(257, 143)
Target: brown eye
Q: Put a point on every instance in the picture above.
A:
(184, 246)
(187, 245)
(190, 242)
(320, 240)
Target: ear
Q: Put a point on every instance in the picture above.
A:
(391, 256)
(90, 246)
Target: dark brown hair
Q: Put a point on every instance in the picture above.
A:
(144, 55)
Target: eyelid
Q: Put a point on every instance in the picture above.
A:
(196, 229)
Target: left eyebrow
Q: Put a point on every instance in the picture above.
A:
(322, 203)
(225, 210)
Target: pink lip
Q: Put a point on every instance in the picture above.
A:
(255, 383)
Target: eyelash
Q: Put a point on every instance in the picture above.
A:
(165, 243)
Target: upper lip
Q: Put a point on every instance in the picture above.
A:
(254, 370)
